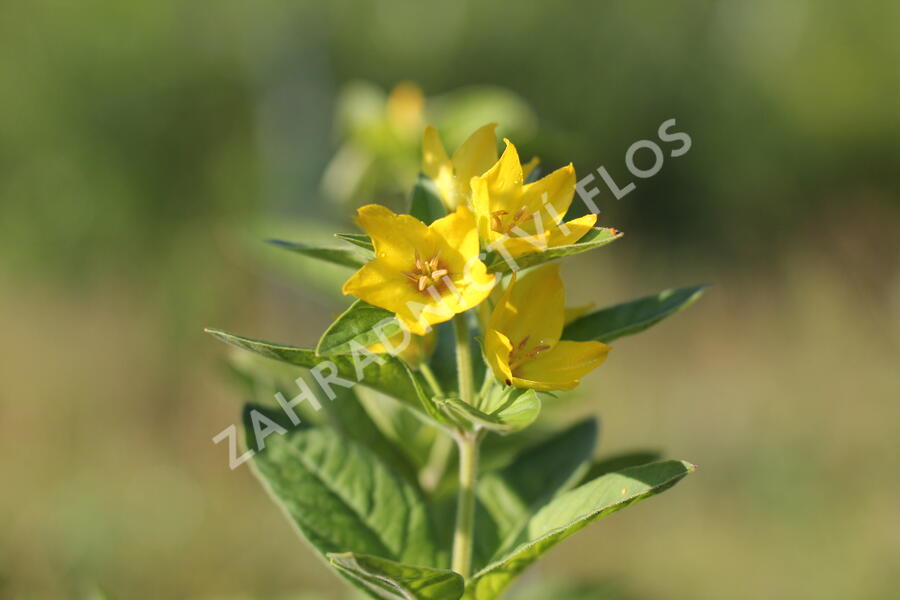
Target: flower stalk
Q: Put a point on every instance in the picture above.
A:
(465, 508)
(467, 443)
(464, 360)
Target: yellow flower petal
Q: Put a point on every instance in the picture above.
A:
(383, 226)
(504, 180)
(458, 231)
(436, 164)
(549, 198)
(434, 157)
(496, 351)
(423, 274)
(380, 284)
(475, 156)
(562, 367)
(563, 235)
(532, 308)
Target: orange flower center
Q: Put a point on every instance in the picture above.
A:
(428, 273)
(521, 353)
(502, 223)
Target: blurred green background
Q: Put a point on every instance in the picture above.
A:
(147, 149)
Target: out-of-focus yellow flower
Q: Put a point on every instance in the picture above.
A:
(522, 344)
(418, 348)
(425, 274)
(515, 218)
(406, 108)
(452, 176)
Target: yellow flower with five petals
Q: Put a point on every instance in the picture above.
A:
(515, 218)
(521, 342)
(452, 176)
(424, 274)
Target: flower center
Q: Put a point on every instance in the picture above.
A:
(502, 223)
(521, 353)
(428, 273)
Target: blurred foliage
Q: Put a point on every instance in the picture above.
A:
(380, 156)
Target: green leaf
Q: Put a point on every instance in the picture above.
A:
(425, 204)
(628, 318)
(599, 236)
(569, 513)
(517, 409)
(348, 417)
(395, 581)
(341, 497)
(401, 425)
(391, 377)
(338, 256)
(618, 462)
(357, 239)
(357, 324)
(514, 493)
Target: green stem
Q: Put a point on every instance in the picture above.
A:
(430, 379)
(467, 442)
(465, 508)
(464, 360)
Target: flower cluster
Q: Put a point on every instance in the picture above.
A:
(367, 479)
(427, 273)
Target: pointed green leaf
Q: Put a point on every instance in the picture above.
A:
(619, 462)
(395, 581)
(339, 256)
(570, 512)
(392, 376)
(538, 473)
(361, 323)
(628, 318)
(357, 239)
(340, 496)
(518, 410)
(595, 238)
(425, 204)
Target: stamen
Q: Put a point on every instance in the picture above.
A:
(428, 273)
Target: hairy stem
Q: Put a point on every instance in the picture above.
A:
(467, 442)
(465, 507)
(464, 360)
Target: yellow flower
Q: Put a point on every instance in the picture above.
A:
(516, 218)
(452, 176)
(424, 274)
(522, 344)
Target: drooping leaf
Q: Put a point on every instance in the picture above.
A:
(595, 238)
(341, 497)
(339, 256)
(391, 377)
(425, 203)
(361, 323)
(518, 410)
(360, 240)
(514, 493)
(628, 318)
(396, 581)
(569, 513)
